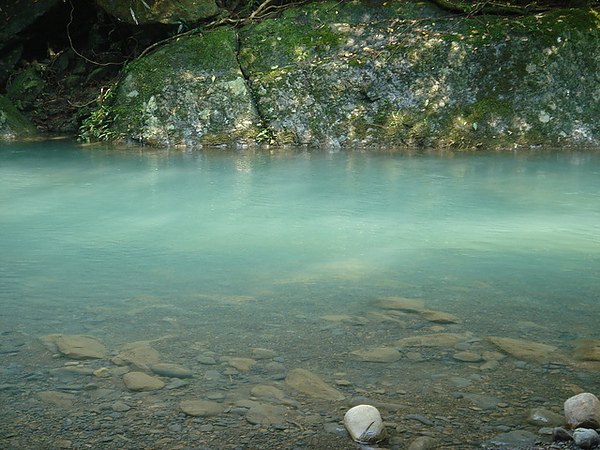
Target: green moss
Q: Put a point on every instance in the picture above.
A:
(12, 123)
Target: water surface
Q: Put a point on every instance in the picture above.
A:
(242, 249)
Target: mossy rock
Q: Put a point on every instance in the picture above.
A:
(408, 74)
(13, 125)
(189, 92)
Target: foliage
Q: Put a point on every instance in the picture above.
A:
(97, 126)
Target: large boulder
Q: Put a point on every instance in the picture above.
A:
(361, 73)
(364, 73)
(146, 12)
(189, 92)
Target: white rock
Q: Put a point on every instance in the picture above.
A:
(364, 424)
(583, 410)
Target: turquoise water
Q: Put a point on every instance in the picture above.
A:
(90, 235)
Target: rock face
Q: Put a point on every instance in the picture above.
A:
(364, 424)
(160, 11)
(310, 384)
(190, 92)
(367, 74)
(583, 410)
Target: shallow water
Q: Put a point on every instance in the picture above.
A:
(242, 249)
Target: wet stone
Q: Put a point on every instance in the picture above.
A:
(171, 370)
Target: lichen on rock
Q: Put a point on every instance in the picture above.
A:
(362, 74)
(189, 92)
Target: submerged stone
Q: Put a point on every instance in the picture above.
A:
(81, 347)
(312, 385)
(381, 354)
(526, 350)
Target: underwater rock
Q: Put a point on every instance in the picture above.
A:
(423, 443)
(142, 357)
(242, 364)
(266, 415)
(514, 439)
(200, 408)
(310, 384)
(400, 303)
(381, 354)
(467, 356)
(81, 347)
(447, 340)
(57, 399)
(263, 353)
(587, 350)
(139, 381)
(267, 392)
(364, 424)
(526, 350)
(171, 370)
(586, 438)
(583, 411)
(542, 417)
(439, 317)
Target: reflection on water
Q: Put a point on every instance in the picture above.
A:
(249, 248)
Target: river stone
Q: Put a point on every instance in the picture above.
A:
(171, 370)
(586, 438)
(81, 347)
(446, 340)
(587, 350)
(483, 401)
(542, 417)
(439, 317)
(57, 399)
(467, 356)
(266, 415)
(400, 303)
(514, 439)
(139, 381)
(310, 384)
(423, 443)
(267, 392)
(583, 411)
(200, 408)
(263, 353)
(142, 357)
(526, 350)
(242, 364)
(364, 424)
(380, 354)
